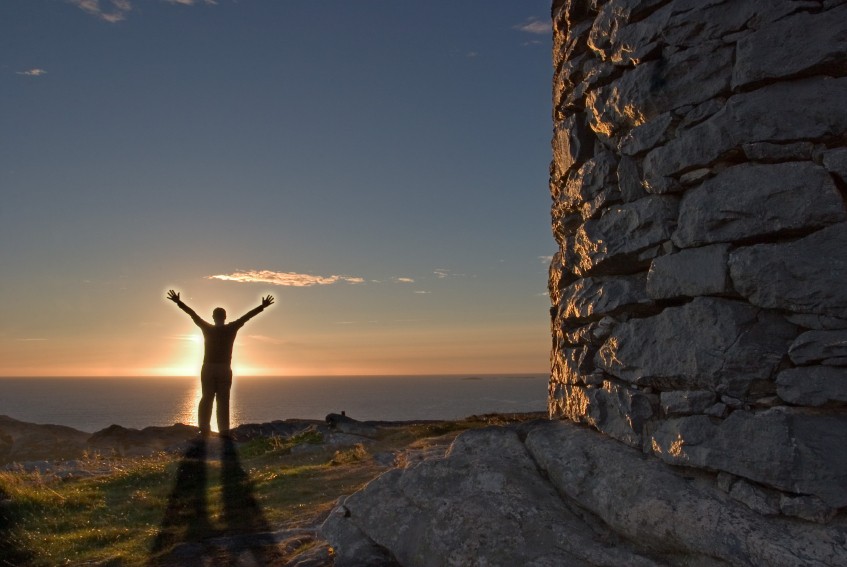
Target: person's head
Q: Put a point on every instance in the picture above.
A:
(219, 315)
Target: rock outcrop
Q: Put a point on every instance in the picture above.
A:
(555, 493)
(699, 177)
(21, 441)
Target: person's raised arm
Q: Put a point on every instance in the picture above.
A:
(266, 302)
(174, 296)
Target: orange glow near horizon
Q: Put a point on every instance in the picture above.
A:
(178, 351)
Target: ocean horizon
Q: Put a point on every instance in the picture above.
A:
(94, 403)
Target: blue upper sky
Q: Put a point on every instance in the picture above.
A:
(379, 166)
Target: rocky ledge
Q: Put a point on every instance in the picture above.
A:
(556, 493)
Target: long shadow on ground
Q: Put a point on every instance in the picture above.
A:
(188, 537)
(13, 551)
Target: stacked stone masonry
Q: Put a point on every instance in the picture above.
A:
(699, 294)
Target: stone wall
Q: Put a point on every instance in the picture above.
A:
(699, 295)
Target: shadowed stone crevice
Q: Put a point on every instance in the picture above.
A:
(841, 184)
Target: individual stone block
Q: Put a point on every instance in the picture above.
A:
(700, 112)
(646, 136)
(781, 447)
(812, 385)
(565, 222)
(792, 276)
(755, 498)
(621, 233)
(692, 272)
(686, 402)
(705, 344)
(808, 508)
(718, 410)
(571, 363)
(653, 88)
(590, 333)
(783, 49)
(783, 112)
(765, 152)
(819, 346)
(589, 297)
(724, 481)
(695, 21)
(573, 142)
(618, 411)
(593, 185)
(750, 200)
(835, 161)
(629, 180)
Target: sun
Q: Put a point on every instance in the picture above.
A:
(184, 358)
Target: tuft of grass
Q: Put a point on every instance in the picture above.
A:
(278, 445)
(354, 454)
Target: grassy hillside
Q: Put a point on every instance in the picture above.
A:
(215, 499)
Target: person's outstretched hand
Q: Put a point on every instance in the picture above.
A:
(267, 300)
(173, 296)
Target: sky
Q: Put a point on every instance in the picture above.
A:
(379, 166)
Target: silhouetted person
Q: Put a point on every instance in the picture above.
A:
(216, 374)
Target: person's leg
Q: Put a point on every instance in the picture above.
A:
(204, 410)
(223, 386)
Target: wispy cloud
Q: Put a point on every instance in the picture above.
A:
(404, 280)
(536, 26)
(289, 279)
(111, 11)
(442, 273)
(269, 340)
(32, 72)
(191, 2)
(545, 259)
(422, 292)
(114, 11)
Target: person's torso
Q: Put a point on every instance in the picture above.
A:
(219, 340)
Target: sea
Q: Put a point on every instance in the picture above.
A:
(92, 404)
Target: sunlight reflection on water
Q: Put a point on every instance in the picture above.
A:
(187, 410)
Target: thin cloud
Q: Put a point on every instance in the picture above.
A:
(32, 72)
(472, 54)
(536, 26)
(442, 273)
(404, 280)
(269, 340)
(288, 279)
(422, 292)
(545, 259)
(190, 2)
(111, 11)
